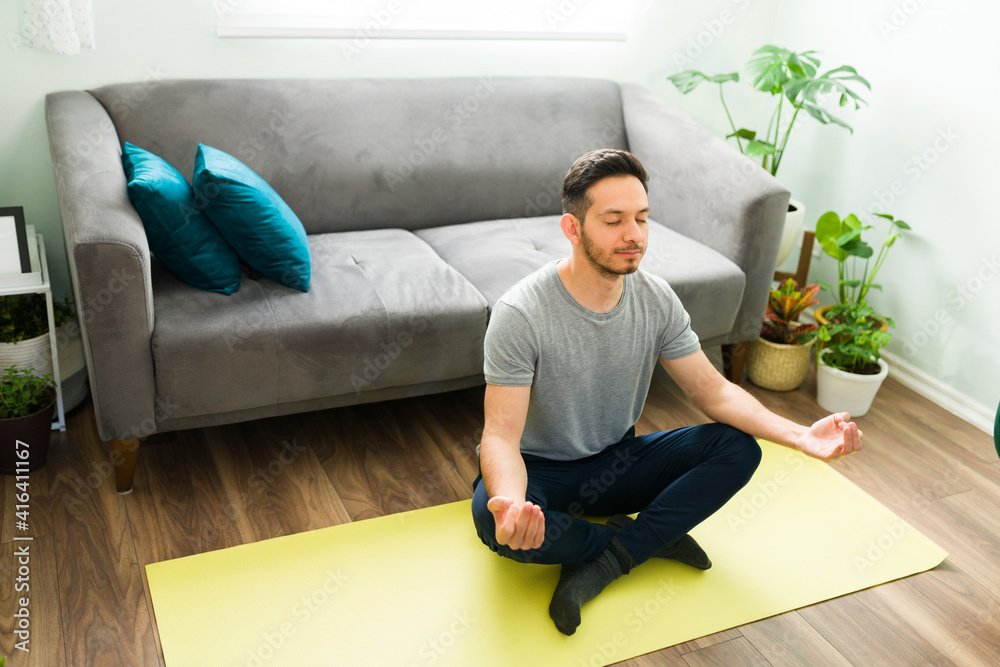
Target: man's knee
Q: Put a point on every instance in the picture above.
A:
(486, 528)
(742, 448)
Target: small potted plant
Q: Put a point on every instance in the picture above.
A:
(793, 78)
(779, 359)
(27, 403)
(849, 368)
(842, 240)
(25, 343)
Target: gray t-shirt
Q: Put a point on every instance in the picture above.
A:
(589, 372)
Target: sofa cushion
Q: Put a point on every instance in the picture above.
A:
(178, 233)
(495, 254)
(252, 217)
(383, 311)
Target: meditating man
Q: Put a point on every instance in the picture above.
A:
(570, 352)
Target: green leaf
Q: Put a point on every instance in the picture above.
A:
(687, 80)
(760, 148)
(742, 133)
(792, 88)
(875, 286)
(857, 248)
(825, 116)
(795, 66)
(723, 78)
(828, 229)
(902, 225)
(851, 283)
(849, 236)
(852, 75)
(766, 69)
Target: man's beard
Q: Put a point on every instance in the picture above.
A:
(603, 265)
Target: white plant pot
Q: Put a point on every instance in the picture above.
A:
(36, 353)
(793, 225)
(837, 391)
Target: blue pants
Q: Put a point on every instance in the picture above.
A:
(674, 479)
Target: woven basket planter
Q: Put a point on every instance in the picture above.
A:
(778, 367)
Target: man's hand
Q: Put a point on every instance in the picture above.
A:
(519, 526)
(831, 438)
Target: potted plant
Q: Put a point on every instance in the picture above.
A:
(789, 76)
(27, 403)
(779, 359)
(849, 369)
(24, 341)
(842, 240)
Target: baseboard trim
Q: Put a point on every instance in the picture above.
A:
(933, 389)
(947, 397)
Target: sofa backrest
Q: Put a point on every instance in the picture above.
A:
(376, 153)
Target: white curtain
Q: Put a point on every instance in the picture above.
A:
(63, 26)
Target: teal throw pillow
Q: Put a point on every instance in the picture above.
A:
(178, 233)
(252, 217)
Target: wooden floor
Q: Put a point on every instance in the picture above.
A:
(212, 488)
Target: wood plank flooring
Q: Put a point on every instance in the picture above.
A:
(218, 487)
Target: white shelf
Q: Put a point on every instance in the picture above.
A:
(36, 249)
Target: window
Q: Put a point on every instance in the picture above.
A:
(600, 20)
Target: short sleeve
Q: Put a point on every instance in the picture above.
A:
(510, 350)
(679, 339)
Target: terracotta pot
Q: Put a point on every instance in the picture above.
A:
(820, 315)
(35, 430)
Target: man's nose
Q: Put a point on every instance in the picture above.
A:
(632, 231)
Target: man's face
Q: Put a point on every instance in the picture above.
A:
(615, 232)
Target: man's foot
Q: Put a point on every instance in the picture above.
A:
(685, 550)
(579, 584)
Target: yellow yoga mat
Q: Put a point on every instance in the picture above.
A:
(419, 588)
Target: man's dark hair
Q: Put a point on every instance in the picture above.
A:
(592, 167)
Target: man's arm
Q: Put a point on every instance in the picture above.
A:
(519, 524)
(830, 438)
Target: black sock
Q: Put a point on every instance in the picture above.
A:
(579, 584)
(685, 550)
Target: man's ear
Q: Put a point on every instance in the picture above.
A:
(571, 227)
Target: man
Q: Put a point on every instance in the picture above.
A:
(570, 352)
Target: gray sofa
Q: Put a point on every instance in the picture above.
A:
(424, 200)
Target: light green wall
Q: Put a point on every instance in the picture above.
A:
(930, 132)
(137, 39)
(927, 77)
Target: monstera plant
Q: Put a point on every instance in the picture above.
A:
(795, 84)
(792, 78)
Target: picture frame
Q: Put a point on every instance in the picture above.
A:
(14, 257)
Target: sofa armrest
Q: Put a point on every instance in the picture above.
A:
(701, 187)
(109, 263)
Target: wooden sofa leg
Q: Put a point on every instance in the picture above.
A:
(734, 358)
(124, 455)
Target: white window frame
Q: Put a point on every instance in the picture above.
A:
(559, 20)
